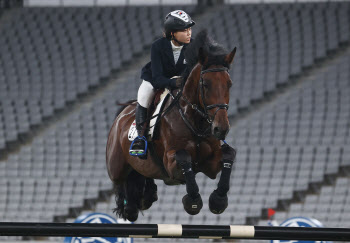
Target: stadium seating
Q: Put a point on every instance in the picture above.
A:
(298, 139)
(49, 57)
(330, 206)
(6, 4)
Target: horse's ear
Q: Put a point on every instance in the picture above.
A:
(229, 57)
(202, 56)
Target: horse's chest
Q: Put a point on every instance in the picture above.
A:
(204, 152)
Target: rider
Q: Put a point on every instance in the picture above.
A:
(167, 63)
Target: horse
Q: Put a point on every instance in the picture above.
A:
(188, 140)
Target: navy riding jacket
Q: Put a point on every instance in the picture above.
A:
(162, 65)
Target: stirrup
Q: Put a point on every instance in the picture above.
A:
(138, 153)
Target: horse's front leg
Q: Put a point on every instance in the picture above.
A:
(192, 201)
(218, 200)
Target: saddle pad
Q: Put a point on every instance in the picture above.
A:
(133, 131)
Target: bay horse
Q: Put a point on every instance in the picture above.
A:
(188, 139)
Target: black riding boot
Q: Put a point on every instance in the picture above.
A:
(138, 147)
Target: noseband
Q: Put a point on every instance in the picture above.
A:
(206, 108)
(209, 107)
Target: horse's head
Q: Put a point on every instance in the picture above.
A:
(214, 86)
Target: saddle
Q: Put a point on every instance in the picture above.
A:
(156, 101)
(156, 107)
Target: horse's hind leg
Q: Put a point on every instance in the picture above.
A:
(134, 192)
(149, 195)
(128, 196)
(218, 200)
(192, 201)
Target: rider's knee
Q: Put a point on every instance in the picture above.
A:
(183, 158)
(145, 94)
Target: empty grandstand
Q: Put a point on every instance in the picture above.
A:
(64, 69)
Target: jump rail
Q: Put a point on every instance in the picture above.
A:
(174, 231)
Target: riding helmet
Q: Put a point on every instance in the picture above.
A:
(177, 20)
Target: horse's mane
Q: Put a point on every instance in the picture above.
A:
(216, 52)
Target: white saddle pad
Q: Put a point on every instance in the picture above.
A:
(133, 131)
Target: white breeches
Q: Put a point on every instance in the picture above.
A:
(145, 94)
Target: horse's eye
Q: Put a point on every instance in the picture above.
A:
(229, 84)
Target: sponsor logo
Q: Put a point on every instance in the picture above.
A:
(298, 222)
(98, 218)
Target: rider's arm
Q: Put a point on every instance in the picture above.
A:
(159, 81)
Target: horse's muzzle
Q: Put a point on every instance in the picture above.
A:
(221, 125)
(220, 133)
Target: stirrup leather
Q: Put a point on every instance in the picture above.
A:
(138, 152)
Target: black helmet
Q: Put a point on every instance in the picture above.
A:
(177, 20)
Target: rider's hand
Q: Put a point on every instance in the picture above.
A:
(176, 82)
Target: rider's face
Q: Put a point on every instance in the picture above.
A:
(184, 35)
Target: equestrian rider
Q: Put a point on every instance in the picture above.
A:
(167, 62)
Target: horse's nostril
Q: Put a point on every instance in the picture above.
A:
(216, 129)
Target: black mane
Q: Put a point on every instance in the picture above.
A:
(216, 52)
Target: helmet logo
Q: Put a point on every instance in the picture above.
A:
(180, 14)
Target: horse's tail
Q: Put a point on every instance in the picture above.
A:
(119, 199)
(123, 106)
(128, 196)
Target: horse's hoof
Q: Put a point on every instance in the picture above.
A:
(217, 203)
(192, 205)
(147, 201)
(131, 213)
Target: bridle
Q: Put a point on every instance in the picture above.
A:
(209, 107)
(179, 95)
(206, 108)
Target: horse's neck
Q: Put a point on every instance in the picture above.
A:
(191, 86)
(191, 92)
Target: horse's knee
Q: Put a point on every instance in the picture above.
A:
(183, 159)
(228, 153)
(182, 155)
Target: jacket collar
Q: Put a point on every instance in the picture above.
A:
(169, 52)
(176, 48)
